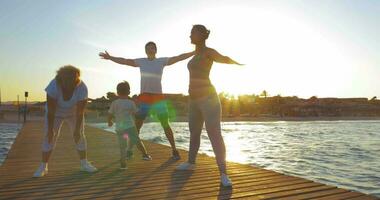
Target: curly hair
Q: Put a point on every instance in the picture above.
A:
(67, 75)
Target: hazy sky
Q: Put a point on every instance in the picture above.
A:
(304, 48)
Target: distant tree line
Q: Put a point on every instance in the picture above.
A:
(265, 105)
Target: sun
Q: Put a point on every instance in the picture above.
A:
(281, 53)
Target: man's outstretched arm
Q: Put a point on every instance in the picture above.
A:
(119, 60)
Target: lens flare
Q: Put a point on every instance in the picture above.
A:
(125, 136)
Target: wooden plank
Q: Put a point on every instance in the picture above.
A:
(342, 196)
(318, 194)
(156, 179)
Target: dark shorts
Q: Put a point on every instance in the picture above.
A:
(152, 104)
(159, 109)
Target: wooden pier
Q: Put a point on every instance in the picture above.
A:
(156, 179)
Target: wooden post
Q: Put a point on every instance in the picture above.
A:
(25, 107)
(18, 108)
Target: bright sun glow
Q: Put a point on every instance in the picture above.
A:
(288, 48)
(280, 51)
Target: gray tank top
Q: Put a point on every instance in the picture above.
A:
(200, 84)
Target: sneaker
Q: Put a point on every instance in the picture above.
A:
(226, 182)
(87, 167)
(129, 155)
(123, 165)
(176, 155)
(41, 171)
(185, 166)
(147, 157)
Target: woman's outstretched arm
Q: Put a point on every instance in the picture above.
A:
(217, 57)
(178, 58)
(123, 61)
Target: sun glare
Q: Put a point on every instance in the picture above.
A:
(280, 52)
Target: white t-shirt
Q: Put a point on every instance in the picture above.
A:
(66, 108)
(151, 74)
(123, 110)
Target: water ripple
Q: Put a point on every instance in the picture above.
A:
(341, 153)
(8, 133)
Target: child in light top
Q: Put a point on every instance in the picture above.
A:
(122, 112)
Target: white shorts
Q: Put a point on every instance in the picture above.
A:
(58, 121)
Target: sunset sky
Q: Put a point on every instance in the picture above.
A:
(303, 48)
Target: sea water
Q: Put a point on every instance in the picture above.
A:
(341, 153)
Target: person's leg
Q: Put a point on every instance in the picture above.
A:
(123, 147)
(169, 135)
(81, 145)
(122, 143)
(140, 145)
(211, 111)
(168, 130)
(46, 156)
(161, 109)
(47, 148)
(129, 145)
(139, 121)
(133, 138)
(195, 126)
(163, 116)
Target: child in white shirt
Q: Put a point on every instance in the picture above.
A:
(122, 112)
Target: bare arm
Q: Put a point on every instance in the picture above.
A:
(52, 105)
(79, 119)
(110, 119)
(178, 58)
(217, 57)
(119, 60)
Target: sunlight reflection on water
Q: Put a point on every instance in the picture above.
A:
(341, 153)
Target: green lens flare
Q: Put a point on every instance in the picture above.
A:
(162, 108)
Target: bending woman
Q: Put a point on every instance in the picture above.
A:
(204, 103)
(66, 100)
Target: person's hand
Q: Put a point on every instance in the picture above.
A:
(110, 124)
(236, 63)
(105, 55)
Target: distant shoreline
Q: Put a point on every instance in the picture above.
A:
(13, 118)
(261, 119)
